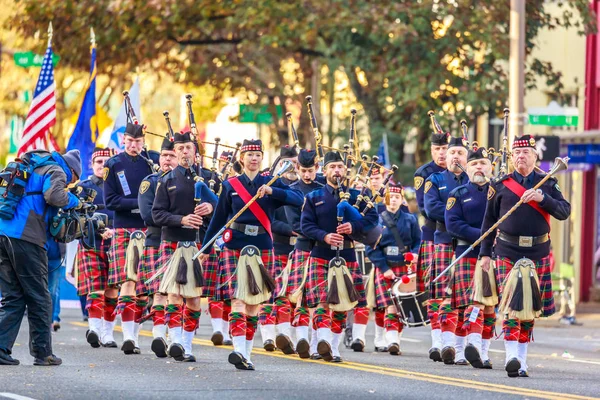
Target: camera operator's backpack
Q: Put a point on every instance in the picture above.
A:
(14, 179)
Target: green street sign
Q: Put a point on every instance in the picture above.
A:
(258, 113)
(28, 59)
(554, 120)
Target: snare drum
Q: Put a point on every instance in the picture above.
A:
(409, 303)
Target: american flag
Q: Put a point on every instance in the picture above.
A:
(42, 113)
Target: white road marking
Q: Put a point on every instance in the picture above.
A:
(15, 396)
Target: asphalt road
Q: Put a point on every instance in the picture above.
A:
(107, 373)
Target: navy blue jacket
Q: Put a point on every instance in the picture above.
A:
(525, 221)
(408, 228)
(293, 214)
(464, 215)
(230, 203)
(123, 175)
(437, 188)
(146, 201)
(319, 218)
(97, 184)
(421, 175)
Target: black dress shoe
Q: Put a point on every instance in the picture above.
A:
(523, 374)
(448, 354)
(435, 354)
(269, 345)
(381, 349)
(6, 359)
(512, 368)
(227, 342)
(176, 351)
(93, 339)
(303, 348)
(284, 344)
(487, 364)
(472, 355)
(217, 338)
(394, 349)
(250, 367)
(337, 359)
(129, 347)
(110, 344)
(358, 345)
(159, 347)
(189, 358)
(461, 362)
(47, 361)
(239, 361)
(324, 349)
(316, 357)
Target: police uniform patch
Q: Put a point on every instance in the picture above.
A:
(144, 187)
(428, 185)
(491, 193)
(450, 203)
(418, 182)
(105, 173)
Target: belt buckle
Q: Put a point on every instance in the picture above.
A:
(525, 241)
(251, 230)
(392, 250)
(293, 240)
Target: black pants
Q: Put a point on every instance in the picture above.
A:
(24, 283)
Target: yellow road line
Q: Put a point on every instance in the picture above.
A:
(400, 373)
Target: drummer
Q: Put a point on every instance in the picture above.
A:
(394, 258)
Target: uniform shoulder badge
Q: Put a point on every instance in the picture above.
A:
(450, 203)
(428, 186)
(144, 186)
(491, 193)
(418, 182)
(105, 173)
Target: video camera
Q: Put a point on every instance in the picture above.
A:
(81, 223)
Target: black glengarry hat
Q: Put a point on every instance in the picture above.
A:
(287, 152)
(478, 154)
(134, 130)
(183, 137)
(307, 158)
(332, 156)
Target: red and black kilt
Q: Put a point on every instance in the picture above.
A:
(93, 269)
(227, 283)
(382, 286)
(316, 283)
(147, 268)
(464, 271)
(211, 269)
(165, 251)
(441, 259)
(280, 263)
(424, 264)
(299, 257)
(117, 273)
(504, 266)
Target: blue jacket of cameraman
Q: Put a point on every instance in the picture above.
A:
(45, 194)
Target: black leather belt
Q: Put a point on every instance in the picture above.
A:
(290, 240)
(440, 226)
(251, 230)
(430, 224)
(524, 241)
(348, 244)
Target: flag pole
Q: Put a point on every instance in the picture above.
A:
(50, 33)
(92, 37)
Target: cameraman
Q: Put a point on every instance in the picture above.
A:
(23, 256)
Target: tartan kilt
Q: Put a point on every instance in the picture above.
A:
(211, 268)
(117, 273)
(227, 283)
(382, 286)
(165, 251)
(279, 264)
(92, 269)
(542, 267)
(147, 268)
(316, 283)
(441, 259)
(424, 263)
(299, 257)
(462, 284)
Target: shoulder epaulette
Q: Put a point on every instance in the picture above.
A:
(459, 191)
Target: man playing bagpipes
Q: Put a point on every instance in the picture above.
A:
(123, 175)
(149, 260)
(522, 240)
(464, 215)
(93, 266)
(437, 187)
(179, 213)
(278, 314)
(334, 278)
(393, 258)
(294, 287)
(246, 209)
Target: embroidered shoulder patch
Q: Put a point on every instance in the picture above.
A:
(491, 193)
(105, 173)
(144, 187)
(418, 182)
(450, 203)
(428, 185)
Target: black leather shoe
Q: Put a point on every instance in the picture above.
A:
(189, 358)
(448, 354)
(303, 348)
(250, 367)
(93, 339)
(176, 351)
(358, 345)
(48, 361)
(6, 359)
(217, 338)
(523, 374)
(316, 357)
(110, 344)
(324, 349)
(472, 355)
(337, 359)
(129, 347)
(394, 349)
(239, 361)
(159, 347)
(269, 345)
(512, 368)
(284, 344)
(381, 349)
(487, 364)
(435, 354)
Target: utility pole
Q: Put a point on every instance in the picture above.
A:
(516, 87)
